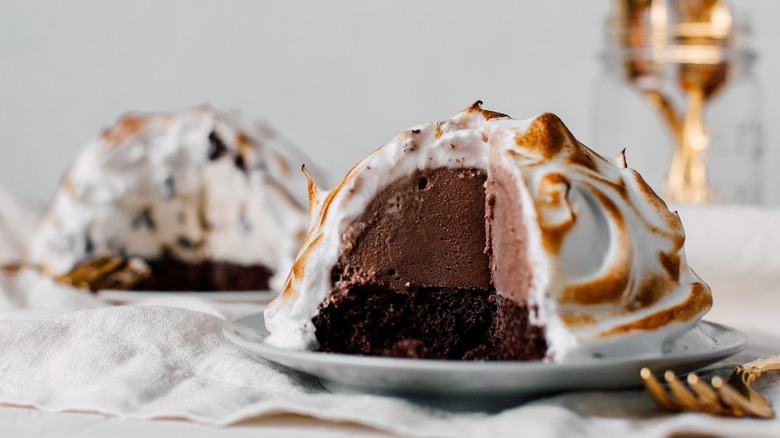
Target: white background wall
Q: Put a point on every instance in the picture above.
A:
(337, 77)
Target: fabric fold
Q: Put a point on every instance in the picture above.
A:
(152, 362)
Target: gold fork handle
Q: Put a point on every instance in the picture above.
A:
(755, 369)
(746, 374)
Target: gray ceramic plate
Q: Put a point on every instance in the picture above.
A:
(476, 380)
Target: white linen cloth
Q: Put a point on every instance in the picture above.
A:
(64, 350)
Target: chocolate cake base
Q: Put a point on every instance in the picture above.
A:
(168, 274)
(433, 323)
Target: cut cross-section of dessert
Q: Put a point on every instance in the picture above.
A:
(208, 199)
(485, 237)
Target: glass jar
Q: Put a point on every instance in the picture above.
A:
(684, 104)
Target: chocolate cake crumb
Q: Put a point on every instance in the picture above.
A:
(167, 190)
(186, 243)
(411, 348)
(240, 163)
(89, 245)
(217, 147)
(143, 219)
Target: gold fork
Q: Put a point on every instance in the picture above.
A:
(729, 398)
(106, 271)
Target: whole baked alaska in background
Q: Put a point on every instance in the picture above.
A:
(485, 237)
(208, 199)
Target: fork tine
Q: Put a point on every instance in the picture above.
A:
(85, 270)
(683, 395)
(84, 274)
(708, 398)
(656, 391)
(741, 405)
(734, 398)
(730, 397)
(106, 271)
(122, 274)
(744, 375)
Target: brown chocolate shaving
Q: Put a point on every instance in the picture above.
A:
(217, 147)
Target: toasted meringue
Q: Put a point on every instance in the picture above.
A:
(203, 184)
(608, 273)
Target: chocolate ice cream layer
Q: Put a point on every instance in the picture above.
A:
(426, 229)
(507, 240)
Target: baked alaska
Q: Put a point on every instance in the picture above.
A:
(208, 199)
(485, 237)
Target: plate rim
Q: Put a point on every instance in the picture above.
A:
(229, 328)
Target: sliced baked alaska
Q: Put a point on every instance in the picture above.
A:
(208, 199)
(485, 237)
